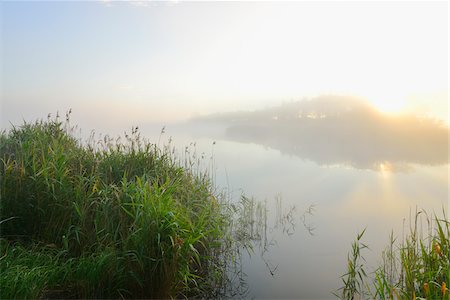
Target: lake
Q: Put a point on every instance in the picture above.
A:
(305, 260)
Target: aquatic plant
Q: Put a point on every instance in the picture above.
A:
(415, 268)
(105, 218)
(354, 281)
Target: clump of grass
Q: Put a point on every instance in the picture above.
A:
(108, 219)
(416, 268)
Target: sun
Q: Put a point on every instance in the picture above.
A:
(385, 169)
(388, 105)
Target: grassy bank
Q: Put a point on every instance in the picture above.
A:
(413, 266)
(105, 219)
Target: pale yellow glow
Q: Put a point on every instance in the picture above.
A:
(272, 53)
(179, 60)
(385, 169)
(392, 107)
(382, 199)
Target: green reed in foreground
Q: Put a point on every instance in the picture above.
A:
(415, 268)
(108, 219)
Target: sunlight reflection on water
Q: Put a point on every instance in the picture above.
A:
(346, 201)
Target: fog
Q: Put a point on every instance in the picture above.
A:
(124, 63)
(314, 101)
(339, 130)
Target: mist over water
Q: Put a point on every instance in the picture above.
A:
(337, 130)
(124, 64)
(359, 168)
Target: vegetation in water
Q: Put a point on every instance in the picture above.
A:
(108, 219)
(417, 267)
(126, 219)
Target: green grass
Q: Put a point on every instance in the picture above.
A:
(125, 219)
(105, 219)
(417, 267)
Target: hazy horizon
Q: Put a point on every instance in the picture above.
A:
(127, 63)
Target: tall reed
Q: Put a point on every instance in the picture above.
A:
(107, 218)
(417, 267)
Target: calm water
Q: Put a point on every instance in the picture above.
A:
(346, 199)
(350, 191)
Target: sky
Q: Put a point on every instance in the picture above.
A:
(122, 63)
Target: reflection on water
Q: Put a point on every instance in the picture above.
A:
(335, 130)
(255, 232)
(305, 265)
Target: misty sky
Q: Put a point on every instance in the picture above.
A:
(132, 62)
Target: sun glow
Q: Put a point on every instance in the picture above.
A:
(385, 169)
(390, 107)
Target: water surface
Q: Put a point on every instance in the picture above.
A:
(374, 182)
